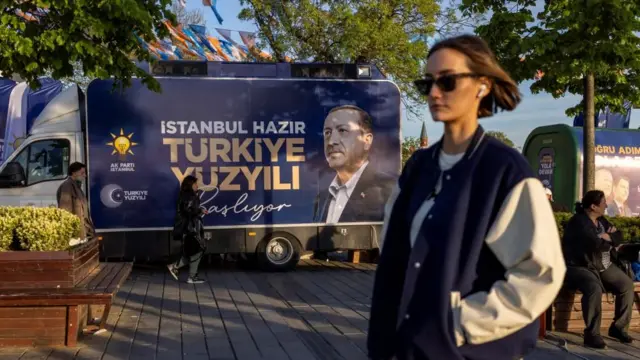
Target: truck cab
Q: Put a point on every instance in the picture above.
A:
(32, 174)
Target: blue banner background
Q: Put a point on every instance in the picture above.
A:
(140, 111)
(608, 144)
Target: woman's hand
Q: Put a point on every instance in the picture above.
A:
(605, 237)
(205, 211)
(612, 230)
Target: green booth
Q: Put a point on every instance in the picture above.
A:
(555, 154)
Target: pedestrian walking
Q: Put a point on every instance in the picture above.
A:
(189, 231)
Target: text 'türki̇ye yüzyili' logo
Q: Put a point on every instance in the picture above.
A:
(122, 144)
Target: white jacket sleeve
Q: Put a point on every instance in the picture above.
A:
(525, 239)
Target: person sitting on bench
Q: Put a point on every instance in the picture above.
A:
(589, 245)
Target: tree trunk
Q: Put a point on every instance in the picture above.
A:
(589, 135)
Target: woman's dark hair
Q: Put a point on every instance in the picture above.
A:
(481, 61)
(187, 183)
(592, 197)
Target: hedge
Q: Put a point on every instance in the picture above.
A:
(629, 226)
(37, 228)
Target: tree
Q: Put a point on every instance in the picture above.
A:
(101, 36)
(391, 34)
(502, 137)
(581, 47)
(187, 17)
(409, 145)
(183, 17)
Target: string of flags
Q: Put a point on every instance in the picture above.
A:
(192, 42)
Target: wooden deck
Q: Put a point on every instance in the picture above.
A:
(318, 312)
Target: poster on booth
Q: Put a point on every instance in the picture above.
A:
(617, 160)
(546, 166)
(264, 151)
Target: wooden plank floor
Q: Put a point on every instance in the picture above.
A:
(318, 312)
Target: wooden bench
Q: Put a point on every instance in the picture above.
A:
(565, 314)
(51, 317)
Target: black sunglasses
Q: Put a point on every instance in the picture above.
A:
(446, 83)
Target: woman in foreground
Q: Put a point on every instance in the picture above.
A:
(471, 254)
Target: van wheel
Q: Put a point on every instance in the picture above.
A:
(278, 252)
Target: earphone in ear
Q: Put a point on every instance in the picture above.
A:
(483, 88)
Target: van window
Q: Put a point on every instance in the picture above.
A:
(45, 160)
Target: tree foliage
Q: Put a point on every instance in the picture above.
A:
(567, 40)
(391, 34)
(98, 36)
(502, 137)
(409, 145)
(188, 17)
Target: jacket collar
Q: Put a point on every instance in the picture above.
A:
(472, 149)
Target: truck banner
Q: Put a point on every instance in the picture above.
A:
(281, 152)
(617, 169)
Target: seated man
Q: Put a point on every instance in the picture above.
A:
(590, 245)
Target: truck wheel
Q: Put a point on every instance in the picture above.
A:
(278, 252)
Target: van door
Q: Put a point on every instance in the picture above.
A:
(45, 163)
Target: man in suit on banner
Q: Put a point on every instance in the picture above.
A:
(357, 193)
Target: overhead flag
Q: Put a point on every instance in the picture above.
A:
(213, 5)
(238, 51)
(225, 34)
(249, 40)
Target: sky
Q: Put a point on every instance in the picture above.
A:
(534, 110)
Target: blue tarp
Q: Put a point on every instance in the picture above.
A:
(24, 108)
(6, 85)
(38, 99)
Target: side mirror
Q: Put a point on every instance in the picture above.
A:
(12, 175)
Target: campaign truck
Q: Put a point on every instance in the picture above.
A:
(556, 152)
(289, 157)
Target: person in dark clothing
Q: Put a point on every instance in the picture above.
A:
(554, 205)
(188, 229)
(589, 245)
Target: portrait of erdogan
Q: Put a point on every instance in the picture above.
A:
(357, 193)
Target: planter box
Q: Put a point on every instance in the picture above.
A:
(32, 326)
(47, 269)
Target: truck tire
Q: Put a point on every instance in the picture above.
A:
(279, 251)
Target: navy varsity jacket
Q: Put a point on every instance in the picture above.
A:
(485, 265)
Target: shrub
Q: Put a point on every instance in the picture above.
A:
(629, 226)
(37, 229)
(8, 222)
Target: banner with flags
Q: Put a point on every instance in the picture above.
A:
(213, 4)
(608, 119)
(192, 42)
